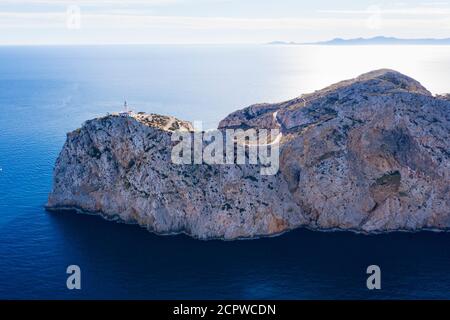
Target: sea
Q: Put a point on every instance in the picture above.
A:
(47, 91)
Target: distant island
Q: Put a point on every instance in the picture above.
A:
(370, 41)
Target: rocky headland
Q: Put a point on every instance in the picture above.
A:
(371, 154)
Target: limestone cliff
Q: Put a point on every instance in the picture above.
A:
(371, 154)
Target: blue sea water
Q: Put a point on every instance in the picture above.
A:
(47, 91)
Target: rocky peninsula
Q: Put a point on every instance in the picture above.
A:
(370, 154)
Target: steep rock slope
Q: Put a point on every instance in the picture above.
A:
(371, 154)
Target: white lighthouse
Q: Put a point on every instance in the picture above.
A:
(126, 111)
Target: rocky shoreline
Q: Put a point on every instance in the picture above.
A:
(118, 219)
(368, 155)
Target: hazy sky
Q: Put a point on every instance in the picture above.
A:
(216, 21)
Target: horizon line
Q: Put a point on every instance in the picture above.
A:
(315, 42)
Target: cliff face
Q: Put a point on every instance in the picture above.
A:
(370, 154)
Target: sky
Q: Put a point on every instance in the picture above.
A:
(64, 22)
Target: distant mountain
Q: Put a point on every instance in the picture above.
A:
(373, 41)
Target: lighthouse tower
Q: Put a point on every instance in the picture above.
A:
(126, 111)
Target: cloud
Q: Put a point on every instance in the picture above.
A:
(137, 21)
(416, 11)
(111, 23)
(92, 2)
